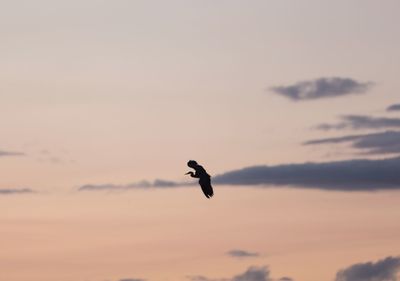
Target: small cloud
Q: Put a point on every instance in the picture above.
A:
(382, 270)
(242, 254)
(11, 153)
(322, 88)
(357, 122)
(393, 107)
(253, 273)
(285, 279)
(10, 191)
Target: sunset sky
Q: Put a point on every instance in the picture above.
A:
(293, 107)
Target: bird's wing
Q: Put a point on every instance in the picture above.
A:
(207, 188)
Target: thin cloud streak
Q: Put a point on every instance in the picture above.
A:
(242, 254)
(139, 185)
(358, 122)
(322, 88)
(375, 143)
(11, 153)
(11, 191)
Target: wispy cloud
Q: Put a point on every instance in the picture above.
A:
(375, 143)
(242, 254)
(11, 153)
(138, 185)
(382, 270)
(357, 122)
(393, 107)
(322, 88)
(10, 191)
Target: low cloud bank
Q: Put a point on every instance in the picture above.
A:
(348, 175)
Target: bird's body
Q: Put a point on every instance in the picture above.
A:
(203, 176)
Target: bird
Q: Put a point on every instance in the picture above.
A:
(203, 176)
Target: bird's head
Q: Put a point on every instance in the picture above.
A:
(192, 164)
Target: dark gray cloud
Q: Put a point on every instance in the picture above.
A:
(375, 143)
(357, 122)
(348, 175)
(10, 191)
(241, 254)
(285, 279)
(11, 153)
(382, 270)
(322, 88)
(253, 273)
(139, 185)
(393, 107)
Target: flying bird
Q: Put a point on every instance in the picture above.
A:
(204, 178)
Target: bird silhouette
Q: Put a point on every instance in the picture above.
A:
(204, 178)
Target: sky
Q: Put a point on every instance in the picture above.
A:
(292, 107)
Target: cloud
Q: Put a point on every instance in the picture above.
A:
(382, 270)
(322, 88)
(375, 143)
(253, 273)
(348, 175)
(10, 191)
(138, 185)
(203, 278)
(357, 122)
(242, 254)
(393, 107)
(11, 153)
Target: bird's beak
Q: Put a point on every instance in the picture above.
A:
(187, 173)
